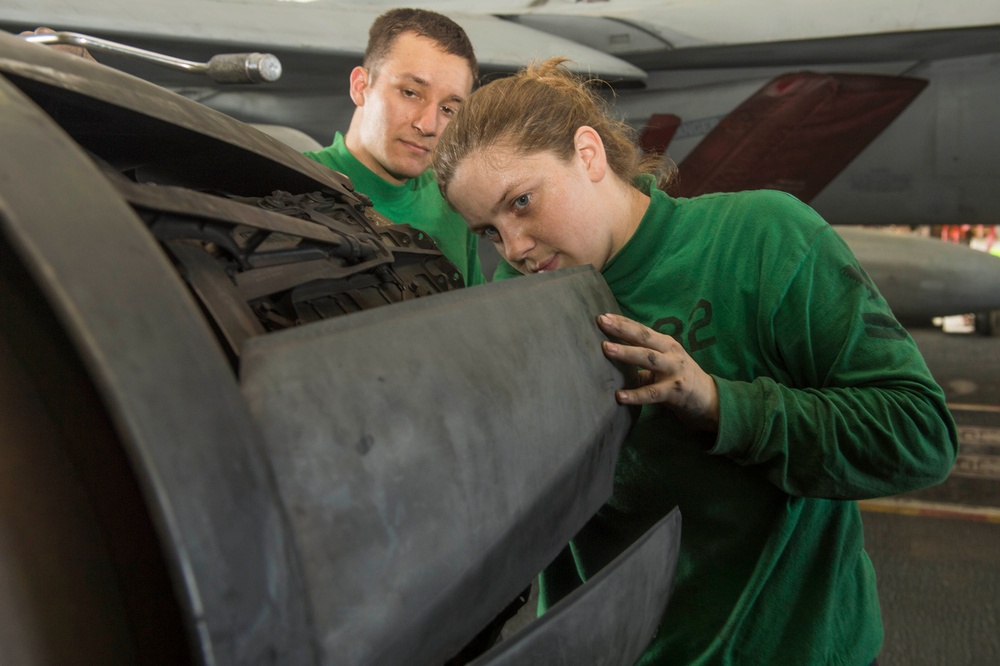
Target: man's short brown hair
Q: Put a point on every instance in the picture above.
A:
(448, 35)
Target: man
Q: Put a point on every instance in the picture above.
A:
(418, 68)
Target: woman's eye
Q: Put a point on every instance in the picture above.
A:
(522, 201)
(491, 234)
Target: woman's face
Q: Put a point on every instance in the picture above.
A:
(541, 212)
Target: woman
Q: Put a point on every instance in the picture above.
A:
(777, 385)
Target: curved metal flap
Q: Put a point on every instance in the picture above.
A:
(611, 618)
(435, 455)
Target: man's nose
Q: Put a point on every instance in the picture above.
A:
(426, 121)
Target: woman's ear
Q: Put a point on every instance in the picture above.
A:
(359, 82)
(589, 149)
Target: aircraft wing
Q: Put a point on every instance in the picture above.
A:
(317, 43)
(334, 30)
(796, 134)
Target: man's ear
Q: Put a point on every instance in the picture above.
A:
(590, 150)
(359, 83)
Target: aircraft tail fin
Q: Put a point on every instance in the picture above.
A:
(659, 130)
(795, 134)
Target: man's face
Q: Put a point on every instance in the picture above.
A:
(403, 106)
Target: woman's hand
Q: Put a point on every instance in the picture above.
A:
(668, 375)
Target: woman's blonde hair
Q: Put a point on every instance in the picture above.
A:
(539, 109)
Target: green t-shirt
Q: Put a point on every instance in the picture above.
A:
(823, 399)
(417, 202)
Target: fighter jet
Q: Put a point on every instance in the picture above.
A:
(244, 419)
(207, 462)
(876, 113)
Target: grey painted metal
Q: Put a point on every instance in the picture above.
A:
(221, 68)
(403, 472)
(323, 30)
(611, 619)
(922, 278)
(260, 162)
(872, 47)
(166, 387)
(435, 455)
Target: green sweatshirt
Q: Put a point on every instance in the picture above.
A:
(417, 202)
(823, 399)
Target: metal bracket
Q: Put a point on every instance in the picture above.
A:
(221, 68)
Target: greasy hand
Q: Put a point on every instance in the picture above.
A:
(66, 48)
(667, 375)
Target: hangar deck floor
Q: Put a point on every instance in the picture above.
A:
(937, 551)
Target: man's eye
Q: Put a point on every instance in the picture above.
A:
(448, 110)
(409, 93)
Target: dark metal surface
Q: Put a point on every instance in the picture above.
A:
(585, 627)
(437, 454)
(59, 567)
(399, 474)
(155, 132)
(166, 387)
